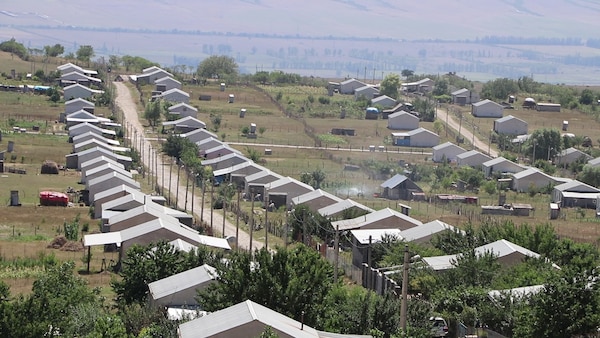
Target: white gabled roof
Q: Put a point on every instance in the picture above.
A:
(447, 145)
(287, 180)
(195, 277)
(79, 100)
(167, 79)
(311, 195)
(116, 190)
(460, 91)
(529, 172)
(98, 161)
(181, 245)
(90, 90)
(376, 235)
(234, 168)
(185, 121)
(341, 206)
(175, 90)
(361, 221)
(516, 292)
(425, 230)
(508, 118)
(182, 104)
(486, 101)
(224, 158)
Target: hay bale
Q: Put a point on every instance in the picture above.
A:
(50, 167)
(72, 246)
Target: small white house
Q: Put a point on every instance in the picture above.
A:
(76, 104)
(447, 151)
(183, 110)
(78, 91)
(174, 95)
(368, 92)
(571, 155)
(487, 108)
(349, 86)
(383, 101)
(510, 125)
(464, 96)
(471, 158)
(500, 165)
(151, 76)
(531, 178)
(403, 120)
(166, 83)
(419, 137)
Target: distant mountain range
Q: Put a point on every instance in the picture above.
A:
(481, 39)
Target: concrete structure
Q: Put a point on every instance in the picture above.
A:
(399, 187)
(487, 108)
(419, 137)
(510, 125)
(403, 120)
(471, 158)
(448, 151)
(183, 109)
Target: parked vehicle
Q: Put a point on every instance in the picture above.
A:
(439, 327)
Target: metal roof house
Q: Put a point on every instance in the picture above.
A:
(78, 77)
(180, 290)
(102, 170)
(249, 319)
(282, 191)
(381, 219)
(487, 108)
(464, 96)
(399, 187)
(507, 253)
(131, 200)
(82, 116)
(422, 234)
(93, 135)
(97, 162)
(349, 86)
(85, 127)
(106, 182)
(575, 194)
(236, 174)
(366, 92)
(500, 165)
(74, 161)
(79, 91)
(185, 124)
(166, 83)
(422, 86)
(403, 120)
(174, 95)
(111, 194)
(383, 101)
(70, 67)
(121, 220)
(510, 125)
(198, 135)
(344, 208)
(77, 104)
(571, 155)
(419, 137)
(183, 109)
(255, 183)
(471, 158)
(150, 232)
(94, 142)
(532, 177)
(219, 151)
(316, 199)
(448, 151)
(361, 239)
(151, 75)
(225, 161)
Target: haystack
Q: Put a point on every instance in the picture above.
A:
(49, 167)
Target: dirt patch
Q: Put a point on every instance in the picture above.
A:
(63, 244)
(72, 246)
(58, 242)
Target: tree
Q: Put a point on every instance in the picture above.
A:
(590, 175)
(318, 176)
(85, 53)
(153, 112)
(292, 282)
(407, 73)
(14, 48)
(221, 67)
(146, 264)
(544, 142)
(390, 85)
(440, 88)
(499, 89)
(54, 51)
(587, 97)
(261, 77)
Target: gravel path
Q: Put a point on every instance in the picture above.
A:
(443, 116)
(127, 104)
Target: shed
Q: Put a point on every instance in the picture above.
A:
(447, 151)
(472, 158)
(510, 125)
(419, 137)
(487, 108)
(183, 109)
(403, 120)
(349, 86)
(315, 200)
(383, 101)
(532, 177)
(180, 290)
(549, 107)
(399, 187)
(366, 92)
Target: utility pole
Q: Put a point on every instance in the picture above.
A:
(267, 220)
(212, 197)
(170, 177)
(370, 269)
(251, 222)
(195, 176)
(224, 215)
(177, 188)
(150, 163)
(187, 180)
(202, 203)
(162, 157)
(404, 305)
(237, 221)
(336, 253)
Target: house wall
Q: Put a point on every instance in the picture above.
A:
(450, 153)
(77, 92)
(349, 88)
(130, 222)
(403, 122)
(522, 185)
(391, 222)
(318, 203)
(487, 110)
(424, 140)
(510, 127)
(176, 97)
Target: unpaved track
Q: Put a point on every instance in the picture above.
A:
(126, 103)
(442, 115)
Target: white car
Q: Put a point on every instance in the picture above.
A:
(439, 327)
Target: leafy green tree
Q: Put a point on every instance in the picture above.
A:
(153, 112)
(14, 48)
(222, 67)
(289, 281)
(499, 89)
(407, 73)
(441, 88)
(146, 264)
(85, 53)
(318, 176)
(587, 97)
(54, 51)
(543, 142)
(261, 77)
(390, 85)
(306, 178)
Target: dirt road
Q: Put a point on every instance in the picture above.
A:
(126, 103)
(442, 115)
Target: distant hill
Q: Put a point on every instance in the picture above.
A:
(481, 39)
